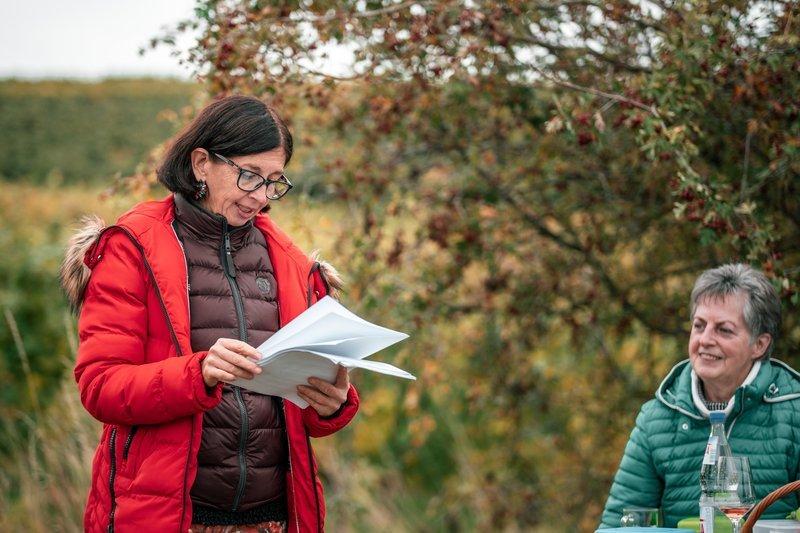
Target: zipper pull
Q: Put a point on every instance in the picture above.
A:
(230, 267)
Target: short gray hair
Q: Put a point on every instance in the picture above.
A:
(762, 307)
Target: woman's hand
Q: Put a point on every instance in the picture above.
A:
(324, 397)
(229, 359)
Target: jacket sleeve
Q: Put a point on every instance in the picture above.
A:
(116, 385)
(636, 483)
(318, 426)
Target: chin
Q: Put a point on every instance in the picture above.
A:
(705, 375)
(707, 371)
(235, 219)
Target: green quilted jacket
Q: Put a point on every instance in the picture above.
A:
(661, 463)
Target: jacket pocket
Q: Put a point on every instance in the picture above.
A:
(127, 456)
(129, 442)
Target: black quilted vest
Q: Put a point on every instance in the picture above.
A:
(243, 458)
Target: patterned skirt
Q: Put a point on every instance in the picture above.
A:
(263, 527)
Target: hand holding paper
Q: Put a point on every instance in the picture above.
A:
(326, 398)
(313, 344)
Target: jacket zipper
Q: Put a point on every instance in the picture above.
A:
(112, 448)
(242, 445)
(229, 267)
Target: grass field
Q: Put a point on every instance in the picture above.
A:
(71, 132)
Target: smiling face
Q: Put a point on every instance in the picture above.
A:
(224, 196)
(720, 347)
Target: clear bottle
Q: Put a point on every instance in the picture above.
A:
(717, 446)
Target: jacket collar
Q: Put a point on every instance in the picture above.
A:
(700, 405)
(675, 390)
(774, 382)
(149, 224)
(208, 227)
(291, 266)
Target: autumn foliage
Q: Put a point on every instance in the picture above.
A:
(531, 188)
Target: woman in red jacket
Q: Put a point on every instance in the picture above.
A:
(173, 298)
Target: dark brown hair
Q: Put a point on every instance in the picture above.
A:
(231, 126)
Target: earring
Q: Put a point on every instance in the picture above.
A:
(201, 192)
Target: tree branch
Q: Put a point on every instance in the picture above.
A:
(560, 48)
(538, 225)
(574, 245)
(652, 110)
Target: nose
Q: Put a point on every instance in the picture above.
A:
(707, 336)
(260, 195)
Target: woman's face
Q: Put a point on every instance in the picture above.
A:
(720, 347)
(224, 196)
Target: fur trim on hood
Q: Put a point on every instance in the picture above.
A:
(74, 272)
(330, 275)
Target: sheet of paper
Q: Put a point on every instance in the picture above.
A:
(313, 344)
(284, 373)
(282, 376)
(352, 348)
(375, 366)
(301, 322)
(326, 320)
(329, 328)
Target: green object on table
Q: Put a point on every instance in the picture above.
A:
(721, 524)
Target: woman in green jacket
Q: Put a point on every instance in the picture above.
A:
(736, 317)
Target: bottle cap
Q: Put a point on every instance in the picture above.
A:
(716, 416)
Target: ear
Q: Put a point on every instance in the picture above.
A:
(760, 345)
(201, 160)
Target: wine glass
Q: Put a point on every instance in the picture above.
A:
(733, 489)
(641, 517)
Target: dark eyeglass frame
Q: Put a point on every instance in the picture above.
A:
(264, 181)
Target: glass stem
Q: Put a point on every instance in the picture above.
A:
(736, 528)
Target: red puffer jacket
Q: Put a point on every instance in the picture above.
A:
(137, 374)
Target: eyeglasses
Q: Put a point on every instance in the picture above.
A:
(249, 181)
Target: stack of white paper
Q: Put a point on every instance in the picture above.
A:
(313, 344)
